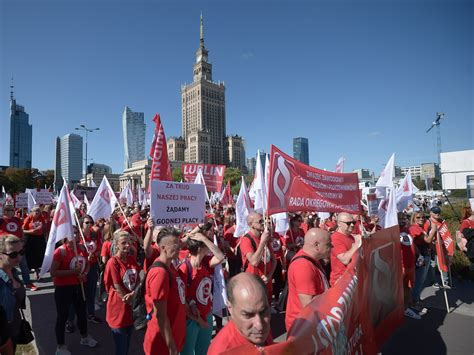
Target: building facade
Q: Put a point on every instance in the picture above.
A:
(456, 169)
(138, 175)
(203, 113)
(236, 153)
(21, 136)
(70, 158)
(422, 171)
(251, 164)
(134, 129)
(176, 146)
(301, 149)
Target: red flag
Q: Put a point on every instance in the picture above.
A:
(160, 168)
(445, 234)
(226, 198)
(294, 186)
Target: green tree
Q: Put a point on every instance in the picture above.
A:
(177, 174)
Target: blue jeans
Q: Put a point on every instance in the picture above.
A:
(431, 278)
(122, 339)
(25, 271)
(91, 288)
(420, 277)
(197, 338)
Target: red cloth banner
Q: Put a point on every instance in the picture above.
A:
(445, 235)
(294, 186)
(213, 175)
(226, 198)
(160, 168)
(357, 314)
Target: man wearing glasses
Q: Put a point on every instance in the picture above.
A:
(257, 256)
(344, 244)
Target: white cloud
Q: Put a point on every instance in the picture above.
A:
(374, 134)
(247, 55)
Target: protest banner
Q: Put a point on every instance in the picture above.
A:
(21, 200)
(372, 204)
(213, 175)
(174, 203)
(43, 197)
(357, 314)
(295, 186)
(447, 239)
(80, 191)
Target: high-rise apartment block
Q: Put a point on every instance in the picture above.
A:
(301, 149)
(133, 136)
(69, 158)
(236, 152)
(176, 146)
(21, 133)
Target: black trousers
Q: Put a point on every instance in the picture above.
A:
(279, 282)
(65, 296)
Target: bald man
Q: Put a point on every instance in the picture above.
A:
(250, 315)
(306, 278)
(345, 245)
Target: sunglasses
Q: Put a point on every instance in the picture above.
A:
(87, 222)
(419, 217)
(349, 223)
(259, 222)
(14, 254)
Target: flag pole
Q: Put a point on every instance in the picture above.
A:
(441, 274)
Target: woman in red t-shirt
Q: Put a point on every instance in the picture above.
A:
(34, 227)
(466, 224)
(294, 238)
(121, 278)
(69, 270)
(196, 271)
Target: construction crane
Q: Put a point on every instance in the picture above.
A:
(436, 123)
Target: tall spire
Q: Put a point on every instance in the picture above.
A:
(11, 90)
(201, 37)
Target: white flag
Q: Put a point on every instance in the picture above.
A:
(92, 184)
(74, 201)
(219, 295)
(258, 190)
(61, 227)
(242, 210)
(127, 194)
(340, 165)
(199, 179)
(4, 193)
(387, 174)
(388, 211)
(281, 222)
(104, 201)
(31, 200)
(405, 192)
(86, 201)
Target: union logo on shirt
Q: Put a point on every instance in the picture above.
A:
(299, 241)
(276, 246)
(130, 279)
(266, 255)
(406, 239)
(203, 291)
(91, 246)
(181, 290)
(12, 227)
(37, 224)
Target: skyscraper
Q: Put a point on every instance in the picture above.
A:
(203, 113)
(20, 135)
(301, 149)
(70, 148)
(133, 136)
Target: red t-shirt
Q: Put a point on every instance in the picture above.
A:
(155, 252)
(246, 247)
(341, 243)
(105, 250)
(407, 248)
(294, 238)
(67, 261)
(200, 289)
(31, 222)
(125, 274)
(306, 278)
(230, 338)
(158, 288)
(467, 223)
(418, 235)
(11, 226)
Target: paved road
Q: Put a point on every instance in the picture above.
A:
(436, 333)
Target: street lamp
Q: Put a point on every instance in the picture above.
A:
(87, 130)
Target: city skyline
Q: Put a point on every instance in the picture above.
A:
(345, 75)
(134, 130)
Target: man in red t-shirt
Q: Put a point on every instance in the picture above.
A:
(165, 298)
(344, 245)
(257, 254)
(306, 278)
(250, 316)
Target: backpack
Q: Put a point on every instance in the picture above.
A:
(282, 300)
(239, 253)
(139, 313)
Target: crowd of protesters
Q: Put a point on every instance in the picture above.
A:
(109, 260)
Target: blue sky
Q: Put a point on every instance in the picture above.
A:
(361, 79)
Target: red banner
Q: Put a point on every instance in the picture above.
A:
(160, 168)
(213, 175)
(357, 314)
(294, 186)
(447, 238)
